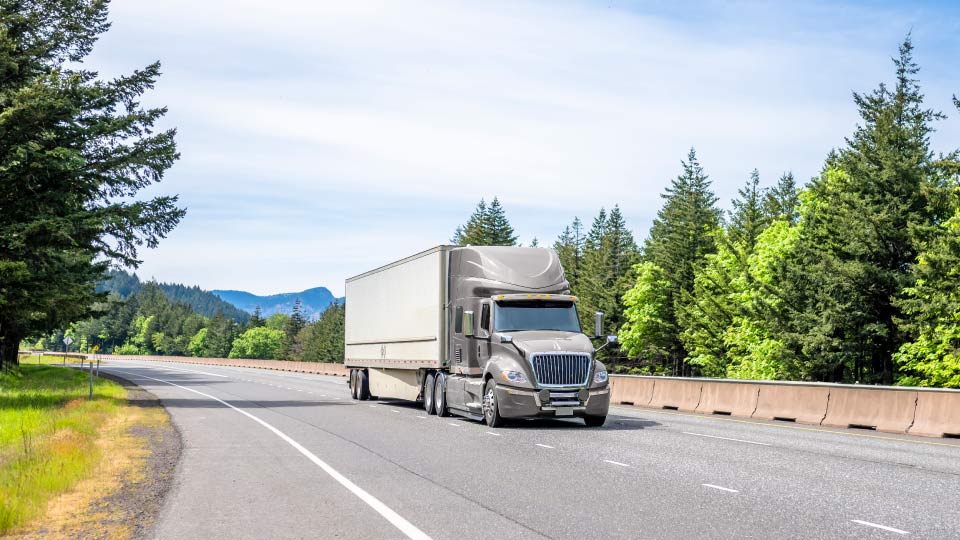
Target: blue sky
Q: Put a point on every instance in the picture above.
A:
(321, 139)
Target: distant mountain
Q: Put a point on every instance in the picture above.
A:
(314, 301)
(203, 302)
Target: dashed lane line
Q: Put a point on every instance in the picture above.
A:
(721, 488)
(878, 526)
(545, 446)
(616, 463)
(724, 438)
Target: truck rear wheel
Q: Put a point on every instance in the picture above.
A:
(353, 383)
(594, 421)
(440, 395)
(363, 385)
(428, 388)
(491, 411)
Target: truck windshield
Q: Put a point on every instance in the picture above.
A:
(535, 315)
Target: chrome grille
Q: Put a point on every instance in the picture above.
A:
(561, 369)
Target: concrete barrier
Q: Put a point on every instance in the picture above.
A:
(803, 404)
(883, 410)
(736, 399)
(938, 415)
(631, 390)
(323, 368)
(683, 395)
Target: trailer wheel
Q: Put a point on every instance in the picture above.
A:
(353, 383)
(491, 411)
(440, 395)
(594, 421)
(363, 385)
(428, 387)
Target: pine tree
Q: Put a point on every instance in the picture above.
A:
(872, 210)
(680, 238)
(75, 154)
(748, 220)
(293, 326)
(499, 231)
(535, 242)
(256, 319)
(783, 200)
(487, 226)
(569, 247)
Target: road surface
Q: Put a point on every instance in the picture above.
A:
(286, 455)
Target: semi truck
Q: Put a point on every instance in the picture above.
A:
(490, 333)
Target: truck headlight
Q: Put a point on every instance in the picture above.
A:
(513, 376)
(600, 376)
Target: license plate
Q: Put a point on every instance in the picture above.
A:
(568, 411)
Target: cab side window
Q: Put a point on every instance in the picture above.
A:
(485, 317)
(458, 320)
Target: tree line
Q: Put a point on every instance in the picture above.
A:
(849, 278)
(151, 322)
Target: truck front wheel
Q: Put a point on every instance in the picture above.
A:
(594, 421)
(428, 387)
(491, 411)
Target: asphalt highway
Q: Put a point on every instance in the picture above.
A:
(285, 455)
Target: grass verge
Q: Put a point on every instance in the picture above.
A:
(60, 452)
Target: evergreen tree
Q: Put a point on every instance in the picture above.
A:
(569, 247)
(680, 238)
(748, 220)
(487, 226)
(783, 200)
(75, 152)
(256, 319)
(499, 230)
(292, 328)
(872, 209)
(474, 232)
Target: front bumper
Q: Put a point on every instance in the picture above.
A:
(522, 403)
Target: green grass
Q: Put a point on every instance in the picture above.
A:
(50, 358)
(48, 435)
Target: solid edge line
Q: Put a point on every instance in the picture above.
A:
(398, 521)
(724, 438)
(884, 527)
(721, 488)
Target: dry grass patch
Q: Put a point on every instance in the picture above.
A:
(62, 455)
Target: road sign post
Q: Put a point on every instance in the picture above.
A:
(66, 348)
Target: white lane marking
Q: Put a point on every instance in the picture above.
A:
(544, 446)
(616, 463)
(195, 371)
(421, 416)
(394, 410)
(454, 425)
(884, 527)
(372, 406)
(721, 488)
(394, 518)
(725, 438)
(492, 433)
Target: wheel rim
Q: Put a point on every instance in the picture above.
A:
(488, 403)
(428, 397)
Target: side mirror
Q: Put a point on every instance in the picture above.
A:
(482, 333)
(598, 324)
(506, 339)
(468, 323)
(611, 339)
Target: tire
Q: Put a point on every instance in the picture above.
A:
(428, 388)
(353, 383)
(440, 395)
(594, 421)
(491, 410)
(363, 385)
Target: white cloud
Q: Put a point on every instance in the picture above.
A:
(322, 138)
